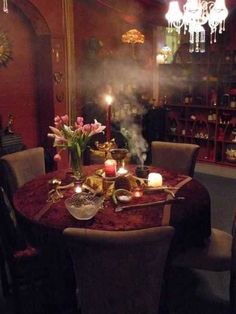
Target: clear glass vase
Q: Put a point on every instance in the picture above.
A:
(76, 162)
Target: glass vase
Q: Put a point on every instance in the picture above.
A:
(76, 162)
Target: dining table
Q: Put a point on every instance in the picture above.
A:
(190, 214)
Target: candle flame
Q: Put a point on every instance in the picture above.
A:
(78, 189)
(108, 99)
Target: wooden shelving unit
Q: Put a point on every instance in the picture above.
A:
(200, 101)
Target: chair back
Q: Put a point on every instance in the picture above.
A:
(119, 271)
(21, 167)
(177, 157)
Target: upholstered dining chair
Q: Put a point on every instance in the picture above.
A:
(26, 276)
(178, 157)
(119, 271)
(18, 168)
(214, 256)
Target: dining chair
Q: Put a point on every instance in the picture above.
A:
(119, 271)
(26, 274)
(21, 167)
(177, 157)
(214, 256)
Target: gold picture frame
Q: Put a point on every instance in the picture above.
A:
(5, 49)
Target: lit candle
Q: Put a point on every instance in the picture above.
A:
(109, 100)
(110, 168)
(137, 192)
(122, 171)
(78, 189)
(154, 179)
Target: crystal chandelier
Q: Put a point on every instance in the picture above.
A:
(5, 6)
(197, 13)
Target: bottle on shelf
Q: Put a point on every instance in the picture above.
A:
(186, 99)
(225, 100)
(210, 116)
(213, 97)
(233, 101)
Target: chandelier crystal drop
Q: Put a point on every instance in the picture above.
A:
(197, 13)
(5, 6)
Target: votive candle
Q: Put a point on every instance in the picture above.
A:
(78, 189)
(110, 167)
(137, 192)
(154, 180)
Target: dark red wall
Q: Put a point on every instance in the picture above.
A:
(17, 87)
(27, 90)
(94, 19)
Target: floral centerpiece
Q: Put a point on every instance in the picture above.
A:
(74, 139)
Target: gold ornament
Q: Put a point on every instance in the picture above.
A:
(5, 49)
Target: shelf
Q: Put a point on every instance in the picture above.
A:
(226, 109)
(229, 142)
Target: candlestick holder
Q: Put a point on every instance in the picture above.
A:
(119, 154)
(142, 171)
(106, 147)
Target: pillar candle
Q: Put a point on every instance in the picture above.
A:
(110, 168)
(154, 180)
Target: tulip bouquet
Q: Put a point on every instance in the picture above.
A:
(73, 138)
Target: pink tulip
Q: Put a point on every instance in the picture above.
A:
(80, 121)
(57, 157)
(87, 129)
(57, 122)
(65, 119)
(96, 127)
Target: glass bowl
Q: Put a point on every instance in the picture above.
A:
(83, 206)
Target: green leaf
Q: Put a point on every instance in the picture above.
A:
(78, 150)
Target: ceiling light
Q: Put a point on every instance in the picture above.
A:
(197, 13)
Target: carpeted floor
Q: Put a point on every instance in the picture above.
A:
(197, 292)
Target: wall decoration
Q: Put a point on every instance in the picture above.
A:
(58, 77)
(60, 96)
(5, 49)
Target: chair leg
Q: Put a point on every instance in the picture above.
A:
(3, 273)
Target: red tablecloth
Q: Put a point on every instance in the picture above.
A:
(191, 217)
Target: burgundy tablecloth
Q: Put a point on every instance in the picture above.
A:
(190, 217)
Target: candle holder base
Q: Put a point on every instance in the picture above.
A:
(142, 171)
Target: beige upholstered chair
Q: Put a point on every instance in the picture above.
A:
(119, 271)
(18, 168)
(178, 157)
(215, 256)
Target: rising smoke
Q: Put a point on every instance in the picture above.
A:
(127, 71)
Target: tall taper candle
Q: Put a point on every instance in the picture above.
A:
(108, 99)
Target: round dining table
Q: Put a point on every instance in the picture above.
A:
(46, 220)
(190, 216)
